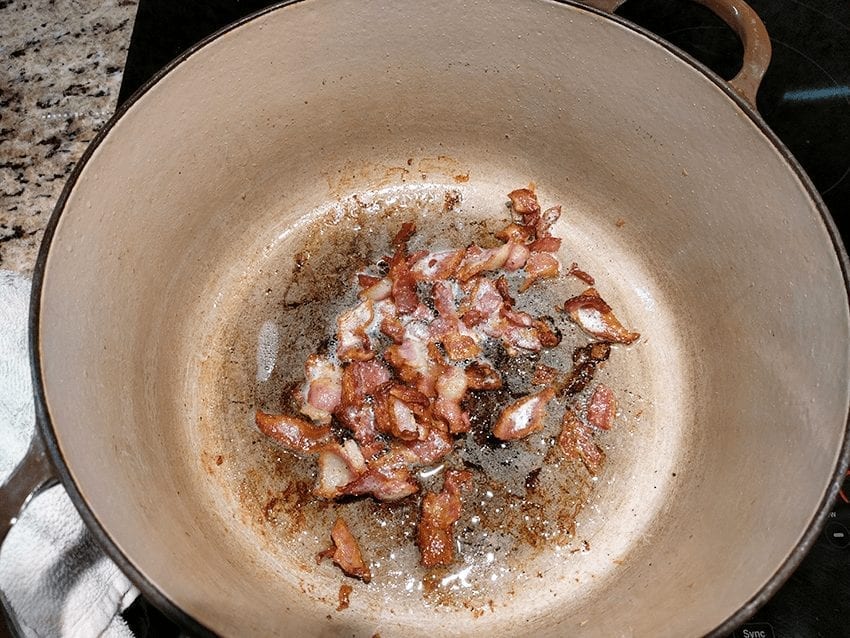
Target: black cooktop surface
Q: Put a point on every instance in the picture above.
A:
(805, 99)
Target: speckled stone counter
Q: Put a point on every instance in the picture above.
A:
(60, 71)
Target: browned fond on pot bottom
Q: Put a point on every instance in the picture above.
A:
(195, 204)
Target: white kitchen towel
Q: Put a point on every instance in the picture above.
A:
(56, 578)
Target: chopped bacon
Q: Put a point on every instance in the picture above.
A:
(439, 514)
(291, 432)
(516, 257)
(481, 376)
(578, 273)
(361, 421)
(451, 387)
(482, 302)
(444, 302)
(504, 290)
(516, 317)
(322, 388)
(514, 233)
(390, 488)
(431, 449)
(523, 417)
(403, 284)
(361, 379)
(437, 266)
(352, 342)
(393, 328)
(413, 397)
(477, 260)
(378, 291)
(415, 257)
(367, 281)
(521, 331)
(396, 407)
(545, 245)
(540, 266)
(547, 218)
(343, 596)
(338, 466)
(412, 363)
(459, 346)
(548, 335)
(602, 407)
(404, 234)
(524, 203)
(345, 553)
(388, 479)
(445, 329)
(590, 312)
(576, 442)
(520, 338)
(400, 407)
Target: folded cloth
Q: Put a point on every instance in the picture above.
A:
(55, 577)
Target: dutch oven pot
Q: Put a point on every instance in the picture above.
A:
(700, 227)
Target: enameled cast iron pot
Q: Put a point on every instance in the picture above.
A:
(206, 182)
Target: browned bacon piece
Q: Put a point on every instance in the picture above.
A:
(547, 218)
(404, 234)
(524, 203)
(361, 379)
(396, 408)
(387, 479)
(540, 266)
(377, 291)
(514, 232)
(590, 312)
(352, 342)
(339, 465)
(345, 552)
(576, 442)
(403, 290)
(578, 273)
(523, 416)
(434, 447)
(477, 260)
(439, 514)
(545, 245)
(322, 388)
(291, 432)
(393, 328)
(451, 387)
(437, 266)
(602, 407)
(482, 376)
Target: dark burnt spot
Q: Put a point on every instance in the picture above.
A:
(289, 397)
(300, 260)
(532, 479)
(451, 201)
(585, 361)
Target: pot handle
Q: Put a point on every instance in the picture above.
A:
(749, 27)
(32, 475)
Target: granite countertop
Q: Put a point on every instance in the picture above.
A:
(61, 63)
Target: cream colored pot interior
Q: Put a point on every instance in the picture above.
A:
(698, 231)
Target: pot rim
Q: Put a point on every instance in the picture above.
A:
(45, 427)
